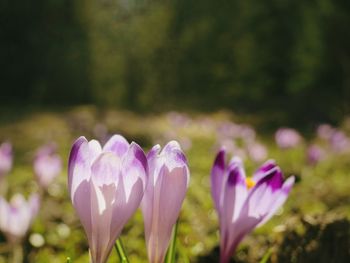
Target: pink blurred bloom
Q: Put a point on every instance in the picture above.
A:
(315, 154)
(5, 158)
(340, 142)
(106, 186)
(244, 203)
(257, 152)
(166, 189)
(287, 138)
(325, 131)
(47, 165)
(17, 216)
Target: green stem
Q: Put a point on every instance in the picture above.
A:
(121, 251)
(69, 260)
(170, 257)
(266, 256)
(17, 256)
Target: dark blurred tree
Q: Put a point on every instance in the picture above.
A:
(288, 60)
(44, 51)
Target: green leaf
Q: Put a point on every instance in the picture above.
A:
(266, 256)
(121, 251)
(170, 257)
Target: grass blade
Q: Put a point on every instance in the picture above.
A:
(266, 256)
(170, 257)
(121, 251)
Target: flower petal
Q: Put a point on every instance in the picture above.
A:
(217, 175)
(134, 167)
(264, 170)
(117, 144)
(95, 149)
(78, 164)
(168, 195)
(102, 203)
(82, 204)
(280, 199)
(106, 169)
(232, 200)
(153, 153)
(262, 195)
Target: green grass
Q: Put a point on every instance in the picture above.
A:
(320, 190)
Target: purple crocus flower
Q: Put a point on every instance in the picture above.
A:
(17, 216)
(325, 131)
(47, 165)
(166, 189)
(5, 158)
(245, 203)
(106, 186)
(287, 138)
(340, 143)
(257, 151)
(315, 154)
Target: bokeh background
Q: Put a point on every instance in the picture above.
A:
(207, 73)
(287, 59)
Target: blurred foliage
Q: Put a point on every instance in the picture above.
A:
(289, 60)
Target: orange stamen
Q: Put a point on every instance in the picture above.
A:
(250, 182)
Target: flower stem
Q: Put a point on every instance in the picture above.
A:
(17, 256)
(170, 257)
(266, 256)
(121, 251)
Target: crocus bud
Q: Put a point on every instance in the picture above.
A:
(17, 216)
(166, 189)
(47, 165)
(106, 186)
(287, 138)
(244, 203)
(5, 158)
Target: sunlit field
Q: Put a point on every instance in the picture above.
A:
(312, 226)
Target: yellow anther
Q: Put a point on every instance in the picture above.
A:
(250, 182)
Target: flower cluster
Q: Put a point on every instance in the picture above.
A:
(17, 215)
(107, 185)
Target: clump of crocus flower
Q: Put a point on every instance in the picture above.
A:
(165, 191)
(17, 216)
(244, 203)
(106, 186)
(5, 158)
(47, 165)
(287, 138)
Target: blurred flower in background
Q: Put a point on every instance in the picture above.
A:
(315, 154)
(287, 138)
(339, 142)
(17, 216)
(47, 164)
(6, 158)
(257, 152)
(325, 131)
